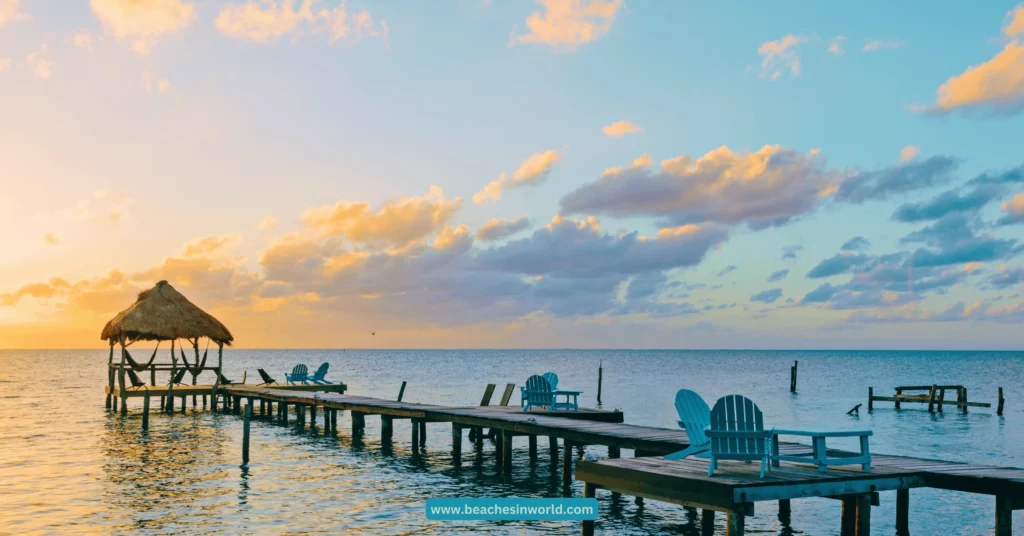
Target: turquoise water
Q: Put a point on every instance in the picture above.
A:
(69, 467)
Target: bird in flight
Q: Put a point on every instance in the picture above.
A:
(373, 333)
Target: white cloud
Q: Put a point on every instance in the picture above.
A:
(567, 24)
(619, 129)
(996, 85)
(835, 46)
(879, 44)
(268, 21)
(9, 12)
(1014, 208)
(83, 39)
(154, 85)
(495, 229)
(909, 153)
(41, 63)
(532, 171)
(268, 222)
(780, 55)
(143, 21)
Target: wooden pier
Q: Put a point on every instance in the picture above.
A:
(934, 396)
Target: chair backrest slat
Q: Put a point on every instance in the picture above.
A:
(538, 391)
(488, 393)
(694, 414)
(552, 379)
(300, 370)
(737, 413)
(507, 395)
(321, 372)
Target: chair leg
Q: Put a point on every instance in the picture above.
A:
(712, 466)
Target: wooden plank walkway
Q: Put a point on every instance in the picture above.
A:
(733, 489)
(189, 390)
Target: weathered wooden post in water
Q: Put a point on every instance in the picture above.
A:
(600, 376)
(145, 411)
(245, 433)
(999, 403)
(792, 377)
(401, 392)
(871, 399)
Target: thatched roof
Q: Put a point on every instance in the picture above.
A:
(162, 313)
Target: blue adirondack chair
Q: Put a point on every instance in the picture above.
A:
(299, 374)
(737, 432)
(694, 417)
(538, 393)
(320, 374)
(552, 379)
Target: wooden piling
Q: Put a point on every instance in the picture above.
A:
(614, 452)
(899, 392)
(848, 526)
(1004, 515)
(600, 377)
(566, 465)
(792, 377)
(301, 410)
(358, 421)
(999, 403)
(734, 523)
(785, 509)
(931, 399)
(423, 433)
(110, 374)
(386, 427)
(284, 412)
(864, 514)
(456, 443)
(707, 522)
(902, 512)
(334, 421)
(506, 451)
(533, 447)
(553, 448)
(871, 399)
(942, 397)
(965, 399)
(589, 492)
(184, 400)
(145, 411)
(401, 392)
(415, 437)
(312, 416)
(245, 434)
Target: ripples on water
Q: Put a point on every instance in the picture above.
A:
(69, 467)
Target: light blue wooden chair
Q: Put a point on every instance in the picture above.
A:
(737, 432)
(538, 393)
(299, 374)
(552, 379)
(320, 374)
(694, 417)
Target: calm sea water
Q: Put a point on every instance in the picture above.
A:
(67, 466)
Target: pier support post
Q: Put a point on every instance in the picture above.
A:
(184, 400)
(999, 403)
(899, 392)
(533, 448)
(785, 509)
(1004, 515)
(931, 399)
(614, 452)
(792, 377)
(358, 421)
(145, 411)
(284, 412)
(312, 416)
(849, 520)
(942, 397)
(864, 514)
(965, 399)
(423, 432)
(506, 451)
(871, 399)
(245, 434)
(386, 427)
(600, 377)
(415, 437)
(734, 523)
(456, 443)
(903, 512)
(707, 522)
(589, 492)
(566, 466)
(553, 448)
(334, 421)
(301, 409)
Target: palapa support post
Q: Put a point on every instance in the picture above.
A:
(245, 433)
(792, 377)
(589, 492)
(600, 378)
(456, 443)
(170, 385)
(1004, 515)
(902, 512)
(220, 367)
(145, 411)
(999, 403)
(110, 375)
(871, 399)
(120, 379)
(707, 522)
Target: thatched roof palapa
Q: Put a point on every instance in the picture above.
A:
(161, 314)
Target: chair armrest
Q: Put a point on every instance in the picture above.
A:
(724, 434)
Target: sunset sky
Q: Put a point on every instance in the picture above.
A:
(558, 173)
